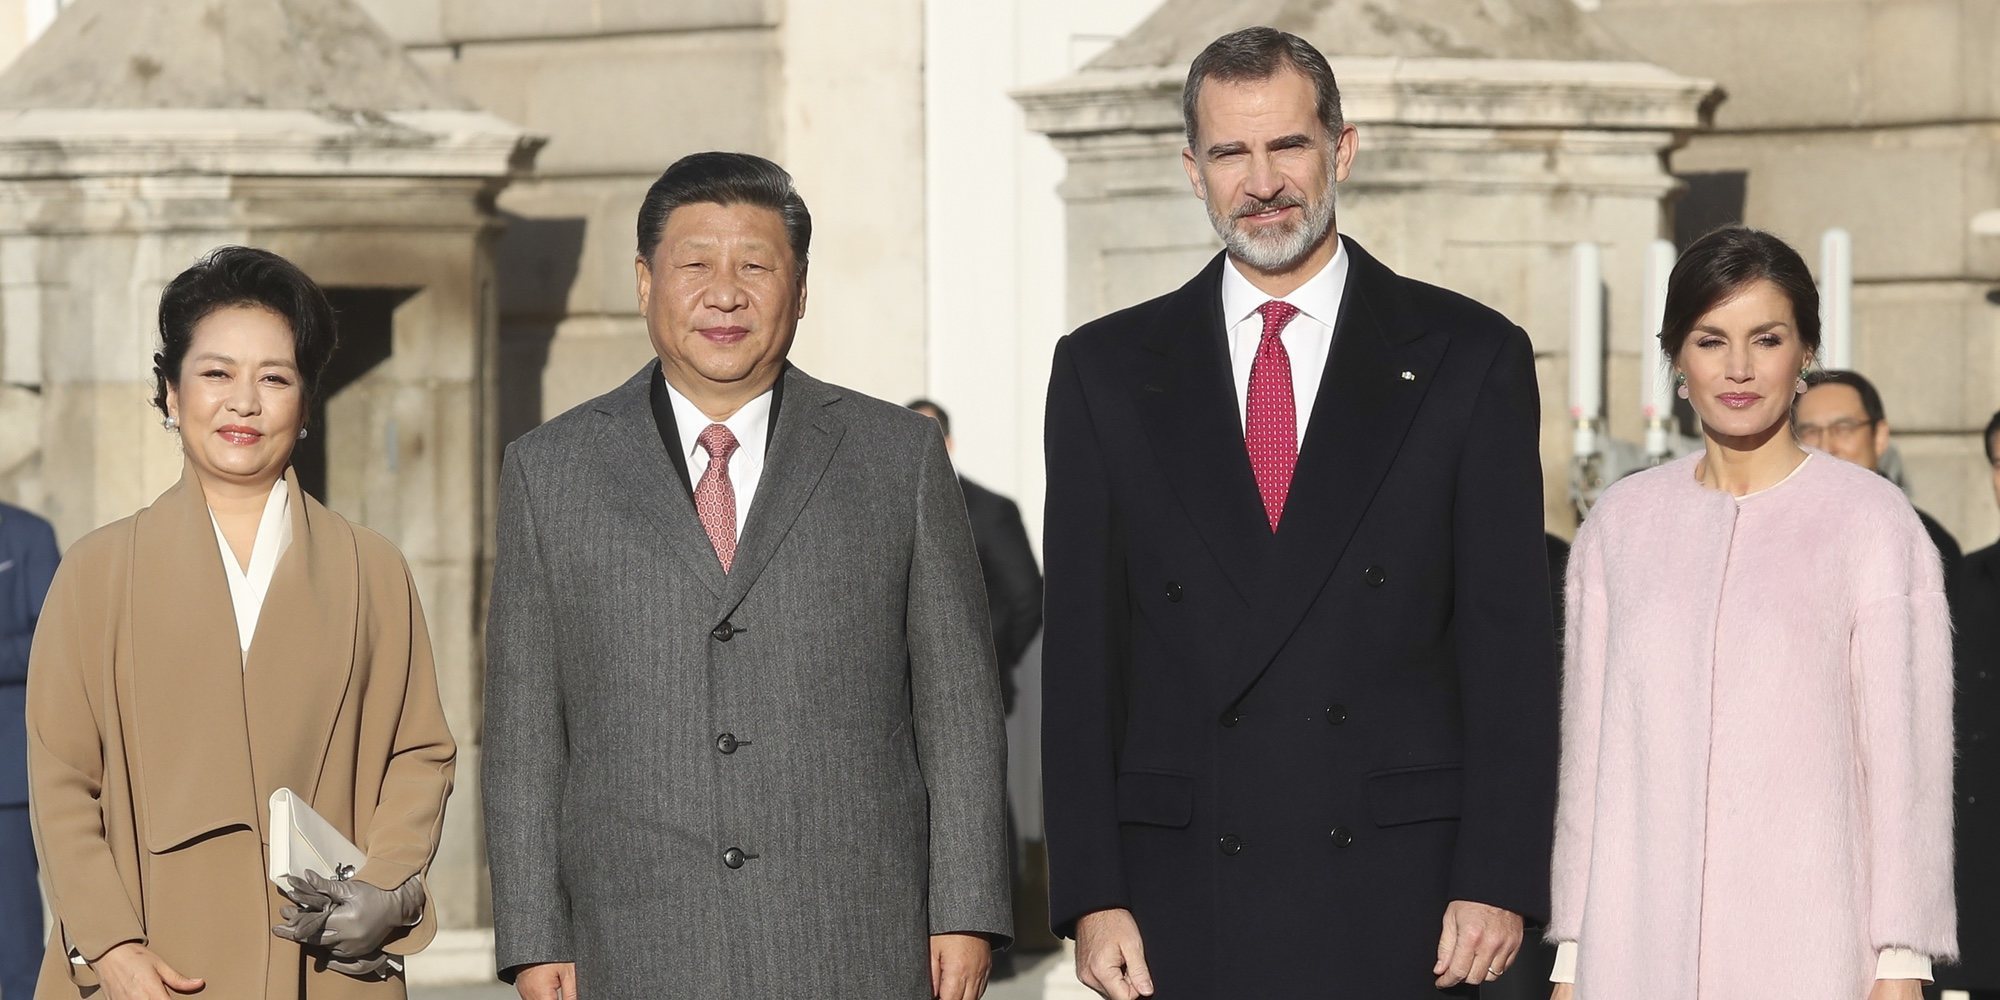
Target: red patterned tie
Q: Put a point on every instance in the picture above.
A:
(714, 497)
(1271, 420)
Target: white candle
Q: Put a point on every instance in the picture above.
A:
(1836, 304)
(1656, 383)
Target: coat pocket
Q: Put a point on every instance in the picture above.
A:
(1415, 794)
(1155, 798)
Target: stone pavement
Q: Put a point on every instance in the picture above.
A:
(1026, 985)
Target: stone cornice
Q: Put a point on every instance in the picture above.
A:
(53, 143)
(1437, 93)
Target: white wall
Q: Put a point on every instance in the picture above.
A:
(995, 227)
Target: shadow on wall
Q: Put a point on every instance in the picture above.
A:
(537, 262)
(366, 318)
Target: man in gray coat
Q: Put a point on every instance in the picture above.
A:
(743, 734)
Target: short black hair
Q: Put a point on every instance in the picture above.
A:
(1258, 54)
(1871, 401)
(1719, 265)
(244, 276)
(725, 179)
(943, 418)
(1992, 431)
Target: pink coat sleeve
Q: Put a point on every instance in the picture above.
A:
(1900, 657)
(1584, 654)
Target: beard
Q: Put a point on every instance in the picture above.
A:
(1275, 248)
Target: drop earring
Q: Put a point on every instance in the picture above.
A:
(1799, 385)
(1681, 385)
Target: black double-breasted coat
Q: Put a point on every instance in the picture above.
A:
(1286, 753)
(1975, 614)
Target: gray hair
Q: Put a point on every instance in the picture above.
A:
(1258, 54)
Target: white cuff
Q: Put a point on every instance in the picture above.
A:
(1565, 967)
(1902, 963)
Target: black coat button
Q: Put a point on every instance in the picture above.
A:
(1375, 576)
(1173, 592)
(1231, 718)
(727, 743)
(1342, 836)
(724, 632)
(1231, 844)
(734, 858)
(1336, 715)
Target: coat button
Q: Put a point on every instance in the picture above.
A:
(724, 632)
(733, 858)
(1231, 718)
(1375, 576)
(1336, 715)
(1342, 836)
(727, 743)
(1231, 844)
(1173, 592)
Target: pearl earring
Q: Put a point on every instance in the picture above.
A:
(170, 424)
(1681, 385)
(302, 434)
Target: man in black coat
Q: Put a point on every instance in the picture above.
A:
(1013, 580)
(1299, 669)
(1843, 413)
(1975, 610)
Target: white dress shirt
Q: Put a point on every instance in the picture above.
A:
(248, 587)
(752, 426)
(1307, 338)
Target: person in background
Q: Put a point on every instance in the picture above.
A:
(28, 558)
(1842, 414)
(1006, 561)
(232, 639)
(1756, 772)
(1976, 612)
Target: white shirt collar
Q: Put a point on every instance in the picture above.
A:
(751, 424)
(249, 587)
(1318, 298)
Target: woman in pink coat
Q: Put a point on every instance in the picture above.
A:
(1757, 756)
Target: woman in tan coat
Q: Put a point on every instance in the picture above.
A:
(232, 639)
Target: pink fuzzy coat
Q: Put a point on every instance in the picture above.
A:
(1757, 754)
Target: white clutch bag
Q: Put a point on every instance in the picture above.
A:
(303, 841)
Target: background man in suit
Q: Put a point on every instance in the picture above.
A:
(743, 728)
(1299, 667)
(1843, 414)
(1975, 610)
(28, 559)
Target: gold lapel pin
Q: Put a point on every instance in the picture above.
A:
(1409, 376)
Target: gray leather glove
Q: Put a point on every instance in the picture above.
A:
(349, 920)
(375, 966)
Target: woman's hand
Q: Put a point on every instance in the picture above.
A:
(1897, 989)
(131, 971)
(1564, 991)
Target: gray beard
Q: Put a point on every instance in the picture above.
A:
(1279, 250)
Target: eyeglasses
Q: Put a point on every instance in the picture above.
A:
(1843, 429)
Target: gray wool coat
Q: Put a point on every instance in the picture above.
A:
(773, 782)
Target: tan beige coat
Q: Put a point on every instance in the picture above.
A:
(153, 747)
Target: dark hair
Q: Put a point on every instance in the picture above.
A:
(1871, 401)
(1258, 54)
(1992, 431)
(943, 418)
(725, 179)
(243, 276)
(1719, 265)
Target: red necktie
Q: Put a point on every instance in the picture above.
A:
(1271, 419)
(714, 497)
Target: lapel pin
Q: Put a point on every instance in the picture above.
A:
(1409, 376)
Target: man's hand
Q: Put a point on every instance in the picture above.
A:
(1896, 989)
(131, 971)
(1109, 956)
(547, 981)
(960, 964)
(1478, 944)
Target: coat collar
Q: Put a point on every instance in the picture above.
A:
(1376, 376)
(217, 732)
(807, 430)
